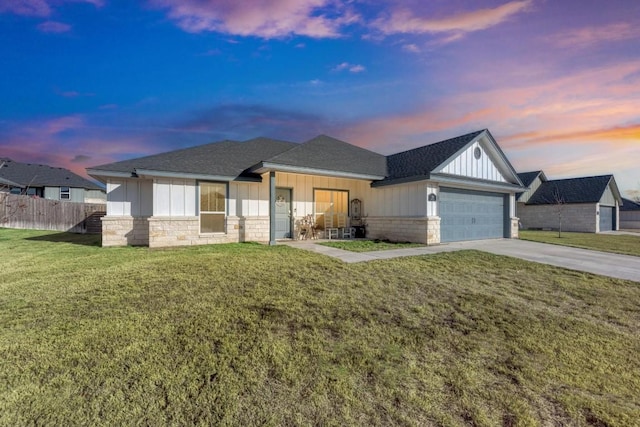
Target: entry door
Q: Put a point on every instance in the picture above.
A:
(283, 213)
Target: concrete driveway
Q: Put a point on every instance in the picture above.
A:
(606, 264)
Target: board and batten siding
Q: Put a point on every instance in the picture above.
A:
(402, 200)
(174, 197)
(130, 197)
(467, 165)
(303, 187)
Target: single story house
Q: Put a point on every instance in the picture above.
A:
(258, 190)
(587, 204)
(48, 182)
(629, 214)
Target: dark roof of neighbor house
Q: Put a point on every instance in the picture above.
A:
(629, 205)
(573, 190)
(325, 152)
(528, 177)
(36, 175)
(421, 161)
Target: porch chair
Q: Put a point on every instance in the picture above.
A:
(330, 230)
(345, 231)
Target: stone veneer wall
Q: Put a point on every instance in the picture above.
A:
(125, 230)
(185, 231)
(515, 228)
(402, 229)
(254, 229)
(579, 217)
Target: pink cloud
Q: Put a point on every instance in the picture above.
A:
(262, 18)
(41, 8)
(54, 27)
(586, 37)
(405, 21)
(26, 7)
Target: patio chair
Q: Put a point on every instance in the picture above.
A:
(330, 230)
(345, 231)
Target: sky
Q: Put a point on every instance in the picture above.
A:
(557, 82)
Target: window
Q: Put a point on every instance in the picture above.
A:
(212, 207)
(65, 193)
(15, 190)
(330, 202)
(31, 192)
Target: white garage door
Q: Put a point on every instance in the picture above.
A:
(471, 215)
(606, 218)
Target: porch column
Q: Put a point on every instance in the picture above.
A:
(272, 208)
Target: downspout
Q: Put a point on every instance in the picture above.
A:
(272, 208)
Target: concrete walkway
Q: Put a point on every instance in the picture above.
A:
(606, 264)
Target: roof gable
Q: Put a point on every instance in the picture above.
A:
(419, 162)
(475, 160)
(527, 178)
(37, 175)
(440, 158)
(572, 190)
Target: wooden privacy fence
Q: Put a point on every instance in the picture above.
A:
(42, 214)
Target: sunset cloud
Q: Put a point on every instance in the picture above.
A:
(54, 27)
(405, 21)
(590, 36)
(39, 8)
(261, 18)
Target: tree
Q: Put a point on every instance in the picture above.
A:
(559, 203)
(635, 194)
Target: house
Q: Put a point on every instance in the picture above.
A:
(629, 214)
(259, 190)
(587, 204)
(48, 182)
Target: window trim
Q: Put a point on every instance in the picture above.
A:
(66, 192)
(225, 212)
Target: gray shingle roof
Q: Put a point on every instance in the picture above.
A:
(572, 190)
(629, 205)
(421, 161)
(224, 158)
(36, 175)
(324, 152)
(528, 177)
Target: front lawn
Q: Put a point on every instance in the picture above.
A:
(247, 334)
(619, 244)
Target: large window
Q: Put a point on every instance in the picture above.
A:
(212, 207)
(330, 202)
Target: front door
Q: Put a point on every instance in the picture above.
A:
(283, 213)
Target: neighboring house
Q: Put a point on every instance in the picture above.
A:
(629, 214)
(48, 182)
(460, 189)
(587, 204)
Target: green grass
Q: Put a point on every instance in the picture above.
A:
(246, 334)
(369, 245)
(619, 244)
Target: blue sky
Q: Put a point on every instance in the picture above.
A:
(86, 82)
